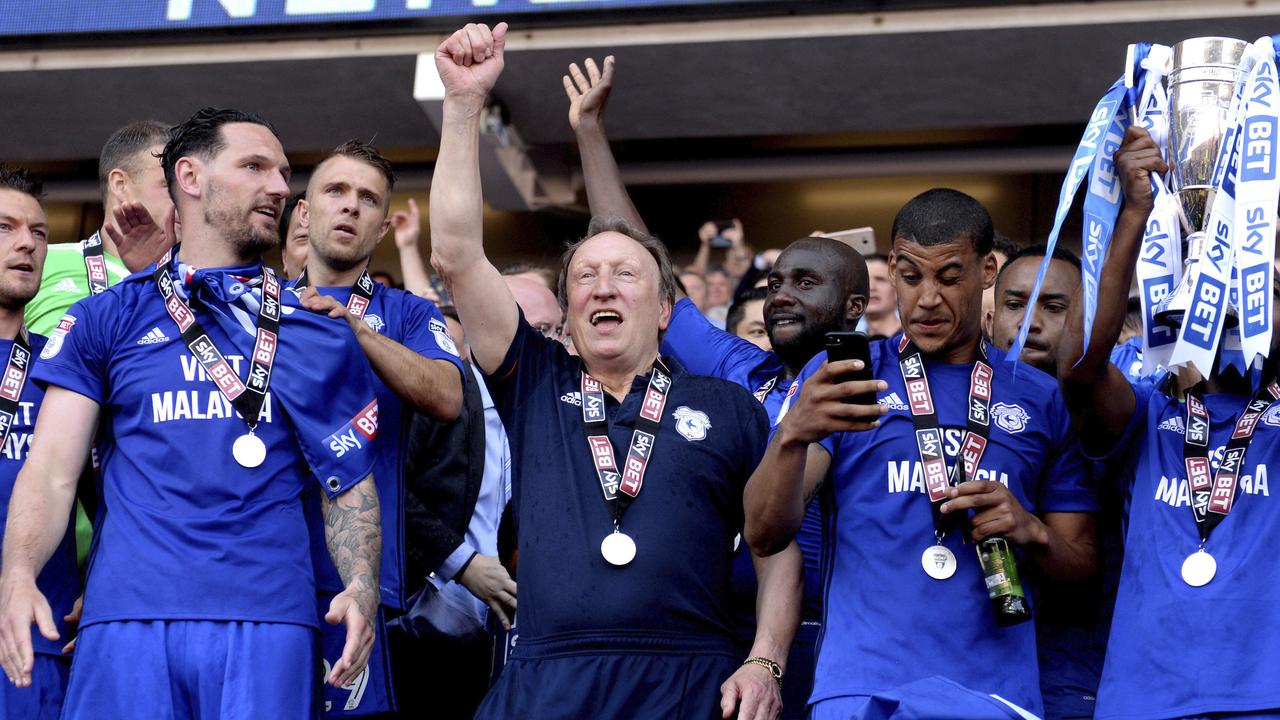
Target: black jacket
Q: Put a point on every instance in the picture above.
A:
(444, 465)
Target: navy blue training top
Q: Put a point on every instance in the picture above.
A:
(712, 435)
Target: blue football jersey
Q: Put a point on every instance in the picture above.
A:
(886, 622)
(1177, 650)
(415, 323)
(59, 581)
(186, 532)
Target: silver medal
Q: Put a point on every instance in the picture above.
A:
(249, 450)
(938, 562)
(1199, 568)
(618, 548)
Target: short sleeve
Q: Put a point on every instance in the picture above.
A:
(530, 361)
(704, 349)
(79, 349)
(426, 333)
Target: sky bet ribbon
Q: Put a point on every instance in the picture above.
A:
(1102, 136)
(1201, 331)
(1257, 192)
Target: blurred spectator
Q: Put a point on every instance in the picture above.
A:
(720, 287)
(541, 309)
(746, 319)
(695, 286)
(294, 237)
(386, 278)
(407, 226)
(544, 275)
(882, 304)
(1002, 248)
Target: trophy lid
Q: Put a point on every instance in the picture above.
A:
(1208, 52)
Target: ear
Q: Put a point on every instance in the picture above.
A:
(854, 306)
(989, 270)
(664, 314)
(304, 213)
(893, 264)
(382, 231)
(118, 185)
(188, 173)
(988, 323)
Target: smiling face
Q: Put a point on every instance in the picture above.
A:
(24, 236)
(806, 301)
(240, 192)
(1013, 290)
(345, 212)
(939, 290)
(616, 308)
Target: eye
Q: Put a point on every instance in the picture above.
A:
(586, 276)
(774, 284)
(1056, 308)
(806, 283)
(40, 234)
(910, 278)
(5, 227)
(1013, 304)
(950, 280)
(370, 199)
(253, 166)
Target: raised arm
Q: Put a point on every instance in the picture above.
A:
(408, 228)
(38, 514)
(588, 93)
(469, 63)
(1097, 393)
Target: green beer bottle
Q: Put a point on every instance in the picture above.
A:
(1003, 585)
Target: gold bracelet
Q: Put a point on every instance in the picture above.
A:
(774, 668)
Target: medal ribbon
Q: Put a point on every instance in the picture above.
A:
(763, 391)
(361, 292)
(629, 479)
(1212, 500)
(15, 377)
(95, 264)
(929, 442)
(247, 397)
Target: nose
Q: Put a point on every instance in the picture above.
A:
(782, 297)
(603, 287)
(930, 296)
(25, 241)
(278, 186)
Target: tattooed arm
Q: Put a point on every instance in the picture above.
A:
(353, 532)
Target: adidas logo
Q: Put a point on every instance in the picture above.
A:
(155, 336)
(66, 285)
(1174, 424)
(573, 398)
(893, 402)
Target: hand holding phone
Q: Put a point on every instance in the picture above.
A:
(852, 346)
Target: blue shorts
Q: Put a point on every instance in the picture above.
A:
(557, 683)
(931, 697)
(370, 693)
(41, 701)
(194, 670)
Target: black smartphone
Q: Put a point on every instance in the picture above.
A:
(720, 241)
(852, 346)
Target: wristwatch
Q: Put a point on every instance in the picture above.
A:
(774, 668)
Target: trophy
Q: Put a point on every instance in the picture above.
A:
(1205, 72)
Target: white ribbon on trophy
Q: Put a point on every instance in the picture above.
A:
(1160, 259)
(1201, 331)
(1257, 193)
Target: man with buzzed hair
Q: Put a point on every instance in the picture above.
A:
(416, 368)
(24, 240)
(817, 285)
(897, 619)
(135, 202)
